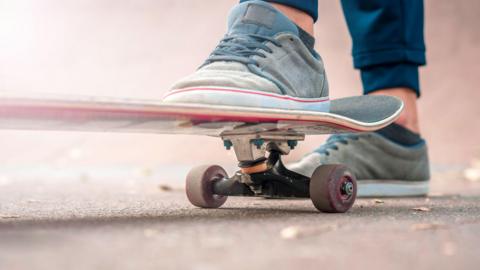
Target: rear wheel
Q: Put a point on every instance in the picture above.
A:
(199, 186)
(333, 188)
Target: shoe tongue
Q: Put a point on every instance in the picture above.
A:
(260, 18)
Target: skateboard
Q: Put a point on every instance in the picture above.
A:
(259, 137)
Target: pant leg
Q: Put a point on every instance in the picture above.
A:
(308, 6)
(388, 41)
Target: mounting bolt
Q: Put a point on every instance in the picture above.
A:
(258, 143)
(228, 144)
(292, 144)
(347, 188)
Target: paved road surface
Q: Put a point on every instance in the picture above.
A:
(87, 224)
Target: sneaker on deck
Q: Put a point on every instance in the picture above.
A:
(264, 61)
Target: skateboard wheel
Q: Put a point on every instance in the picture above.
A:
(199, 186)
(333, 188)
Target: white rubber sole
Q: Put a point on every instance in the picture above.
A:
(392, 188)
(245, 98)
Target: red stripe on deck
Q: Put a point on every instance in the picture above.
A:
(244, 91)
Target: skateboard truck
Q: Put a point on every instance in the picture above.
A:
(251, 149)
(332, 188)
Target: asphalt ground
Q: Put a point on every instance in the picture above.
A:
(123, 224)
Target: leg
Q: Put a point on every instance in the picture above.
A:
(388, 48)
(302, 13)
(299, 17)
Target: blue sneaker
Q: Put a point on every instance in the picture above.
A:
(264, 60)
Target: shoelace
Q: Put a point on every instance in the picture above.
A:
(240, 48)
(333, 141)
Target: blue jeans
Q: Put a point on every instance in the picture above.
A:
(387, 37)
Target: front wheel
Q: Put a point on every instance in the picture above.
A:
(199, 186)
(333, 188)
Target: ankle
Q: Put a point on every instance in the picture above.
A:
(409, 117)
(300, 18)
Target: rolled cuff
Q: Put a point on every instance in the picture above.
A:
(389, 76)
(310, 7)
(389, 56)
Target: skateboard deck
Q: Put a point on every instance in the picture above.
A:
(258, 136)
(103, 114)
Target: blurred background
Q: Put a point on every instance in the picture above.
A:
(126, 48)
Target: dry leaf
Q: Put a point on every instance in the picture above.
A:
(291, 232)
(164, 187)
(421, 209)
(294, 232)
(472, 174)
(449, 248)
(4, 181)
(9, 216)
(149, 233)
(426, 226)
(143, 172)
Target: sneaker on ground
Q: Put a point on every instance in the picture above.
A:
(383, 168)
